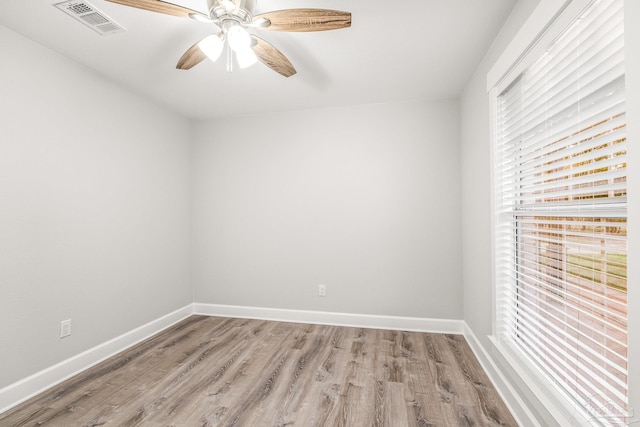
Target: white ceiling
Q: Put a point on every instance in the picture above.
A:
(394, 51)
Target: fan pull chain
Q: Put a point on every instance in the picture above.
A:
(229, 60)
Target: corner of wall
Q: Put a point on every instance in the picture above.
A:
(26, 388)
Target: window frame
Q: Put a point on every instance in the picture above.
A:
(546, 23)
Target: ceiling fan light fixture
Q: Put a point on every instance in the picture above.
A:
(211, 46)
(232, 18)
(246, 57)
(238, 38)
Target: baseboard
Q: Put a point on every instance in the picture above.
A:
(418, 324)
(26, 388)
(517, 406)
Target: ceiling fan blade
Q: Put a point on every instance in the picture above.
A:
(159, 6)
(192, 57)
(272, 57)
(306, 19)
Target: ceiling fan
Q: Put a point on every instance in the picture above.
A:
(232, 18)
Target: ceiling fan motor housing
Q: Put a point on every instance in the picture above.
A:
(238, 10)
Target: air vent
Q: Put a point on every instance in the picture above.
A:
(90, 16)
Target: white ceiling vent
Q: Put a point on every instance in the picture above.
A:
(90, 16)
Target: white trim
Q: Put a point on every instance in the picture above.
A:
(516, 404)
(545, 23)
(556, 403)
(418, 324)
(493, 132)
(526, 37)
(519, 407)
(26, 388)
(632, 65)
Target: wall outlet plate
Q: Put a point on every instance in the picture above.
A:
(65, 328)
(322, 290)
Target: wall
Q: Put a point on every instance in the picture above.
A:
(476, 208)
(476, 181)
(364, 199)
(477, 261)
(94, 209)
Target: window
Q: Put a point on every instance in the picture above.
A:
(560, 165)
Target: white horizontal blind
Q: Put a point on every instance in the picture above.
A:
(561, 250)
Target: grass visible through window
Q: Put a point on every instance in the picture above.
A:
(610, 269)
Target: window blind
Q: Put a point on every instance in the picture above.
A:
(560, 164)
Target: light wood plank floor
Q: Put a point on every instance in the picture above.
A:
(209, 371)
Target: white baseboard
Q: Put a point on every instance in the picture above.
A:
(419, 324)
(26, 388)
(517, 406)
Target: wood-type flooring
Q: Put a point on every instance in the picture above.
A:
(211, 371)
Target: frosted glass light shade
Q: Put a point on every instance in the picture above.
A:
(211, 46)
(238, 38)
(246, 57)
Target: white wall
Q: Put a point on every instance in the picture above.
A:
(476, 181)
(364, 199)
(476, 205)
(476, 215)
(94, 209)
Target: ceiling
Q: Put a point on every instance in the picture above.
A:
(422, 49)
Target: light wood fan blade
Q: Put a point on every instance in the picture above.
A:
(192, 57)
(306, 19)
(159, 6)
(272, 57)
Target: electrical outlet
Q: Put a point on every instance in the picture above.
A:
(65, 328)
(322, 290)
